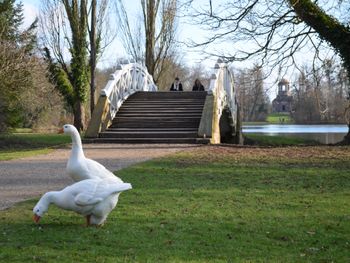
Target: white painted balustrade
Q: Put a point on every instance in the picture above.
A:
(125, 81)
(222, 87)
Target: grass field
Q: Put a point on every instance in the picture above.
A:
(279, 118)
(268, 140)
(213, 204)
(17, 145)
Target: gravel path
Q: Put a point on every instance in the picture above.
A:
(25, 178)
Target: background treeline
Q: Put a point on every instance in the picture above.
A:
(319, 94)
(41, 85)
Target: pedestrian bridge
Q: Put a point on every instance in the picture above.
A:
(130, 109)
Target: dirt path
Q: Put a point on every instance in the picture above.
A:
(22, 179)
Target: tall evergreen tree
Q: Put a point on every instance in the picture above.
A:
(15, 53)
(11, 17)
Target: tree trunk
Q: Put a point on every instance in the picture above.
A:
(347, 111)
(79, 116)
(346, 139)
(93, 52)
(150, 29)
(92, 91)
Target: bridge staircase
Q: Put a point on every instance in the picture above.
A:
(157, 117)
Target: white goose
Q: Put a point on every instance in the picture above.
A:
(79, 167)
(92, 198)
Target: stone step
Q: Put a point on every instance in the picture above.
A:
(152, 124)
(158, 112)
(172, 95)
(163, 103)
(152, 129)
(133, 98)
(159, 115)
(156, 119)
(148, 140)
(164, 108)
(148, 134)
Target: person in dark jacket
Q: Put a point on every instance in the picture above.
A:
(198, 86)
(176, 86)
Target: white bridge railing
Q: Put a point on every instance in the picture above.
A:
(222, 87)
(125, 81)
(221, 99)
(220, 118)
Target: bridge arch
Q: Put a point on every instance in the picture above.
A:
(219, 120)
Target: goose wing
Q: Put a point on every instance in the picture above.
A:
(100, 191)
(87, 192)
(99, 170)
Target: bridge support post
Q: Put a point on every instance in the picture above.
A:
(209, 124)
(100, 118)
(205, 125)
(220, 118)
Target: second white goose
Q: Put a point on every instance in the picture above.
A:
(79, 167)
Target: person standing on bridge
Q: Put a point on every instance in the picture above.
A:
(198, 86)
(176, 86)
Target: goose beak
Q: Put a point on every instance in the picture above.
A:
(36, 218)
(60, 131)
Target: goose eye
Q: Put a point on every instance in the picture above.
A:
(37, 210)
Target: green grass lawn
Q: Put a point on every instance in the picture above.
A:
(17, 145)
(268, 140)
(213, 204)
(279, 118)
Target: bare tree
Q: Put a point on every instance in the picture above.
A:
(319, 94)
(173, 67)
(101, 34)
(251, 94)
(198, 71)
(154, 41)
(275, 31)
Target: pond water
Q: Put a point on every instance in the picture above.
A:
(324, 133)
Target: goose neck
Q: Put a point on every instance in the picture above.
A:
(76, 140)
(47, 199)
(77, 147)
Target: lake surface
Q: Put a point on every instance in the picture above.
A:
(324, 133)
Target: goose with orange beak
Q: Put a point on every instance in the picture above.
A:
(92, 198)
(78, 166)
